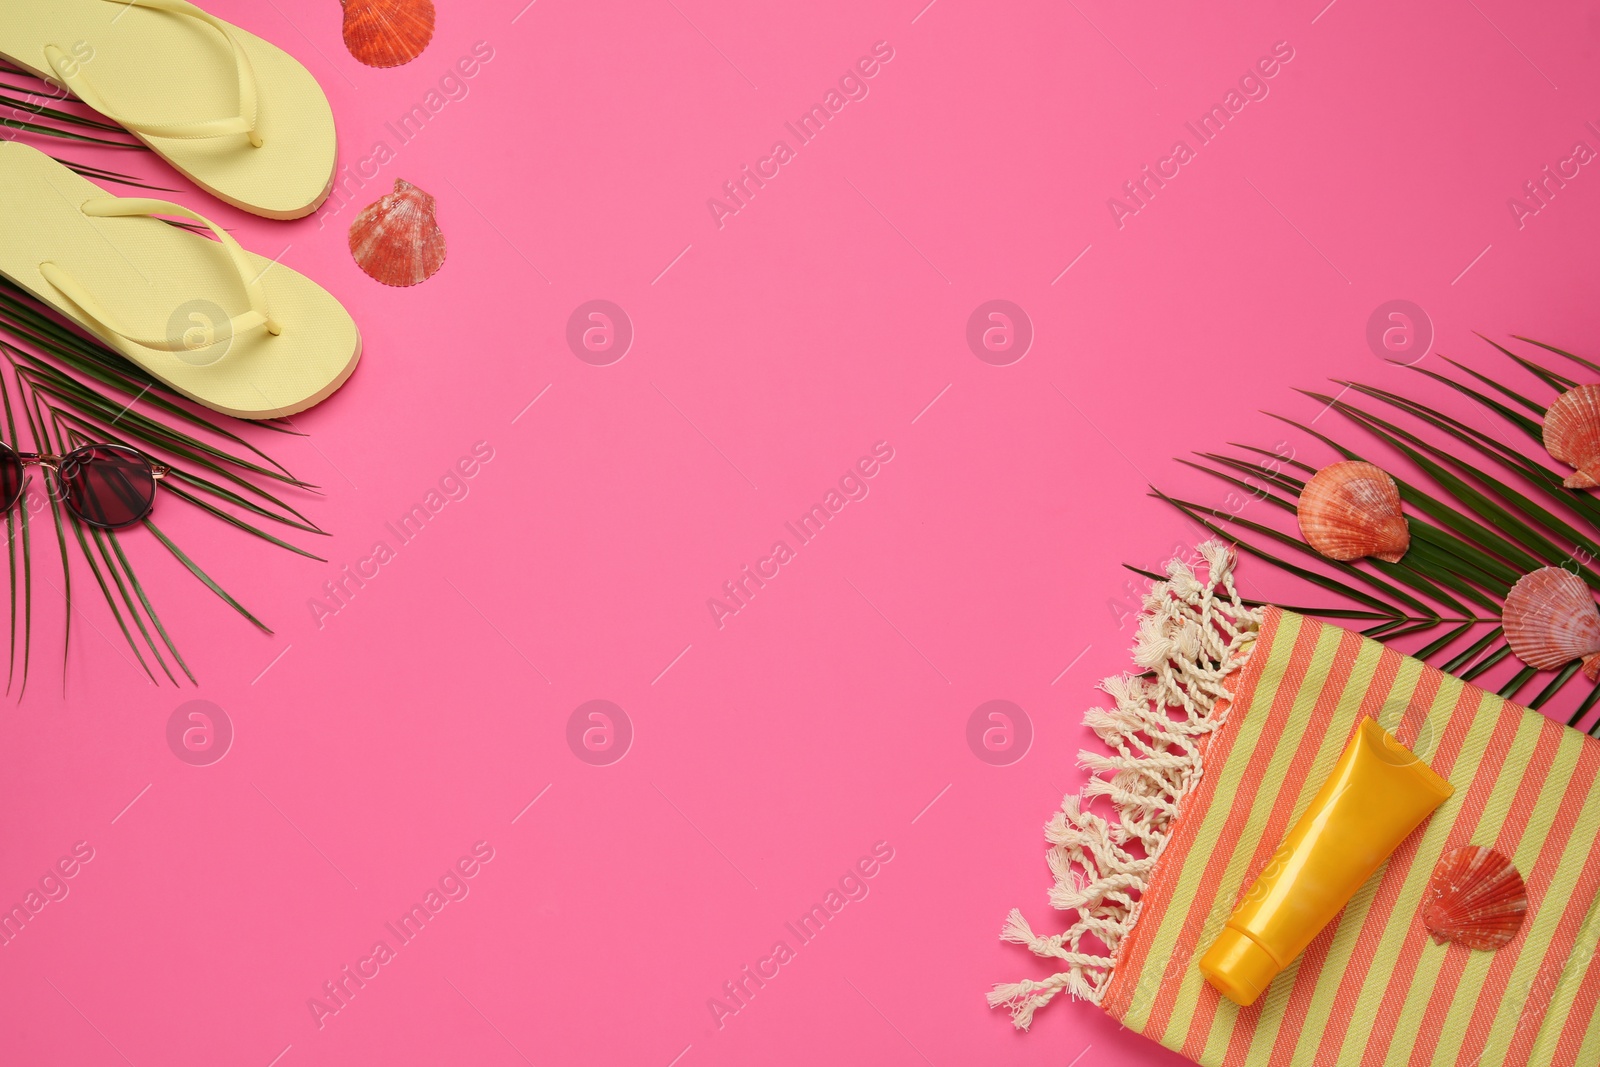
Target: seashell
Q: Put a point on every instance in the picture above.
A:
(387, 33)
(1550, 620)
(1475, 898)
(1572, 434)
(1349, 510)
(395, 238)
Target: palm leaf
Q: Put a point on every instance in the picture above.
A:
(23, 94)
(1481, 514)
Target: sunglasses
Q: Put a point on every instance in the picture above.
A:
(109, 486)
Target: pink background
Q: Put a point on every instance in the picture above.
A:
(830, 713)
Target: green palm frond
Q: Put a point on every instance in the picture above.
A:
(1482, 513)
(59, 390)
(34, 109)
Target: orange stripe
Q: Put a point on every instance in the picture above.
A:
(1153, 902)
(1260, 757)
(1305, 984)
(1448, 979)
(1391, 881)
(1467, 708)
(1487, 1005)
(1581, 1015)
(1566, 934)
(1311, 736)
(1244, 1028)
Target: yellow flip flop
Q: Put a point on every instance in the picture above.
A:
(240, 117)
(227, 328)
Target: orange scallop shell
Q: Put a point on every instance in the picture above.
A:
(395, 239)
(1572, 434)
(387, 33)
(1550, 619)
(1475, 898)
(1352, 509)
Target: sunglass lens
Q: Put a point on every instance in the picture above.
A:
(108, 485)
(11, 477)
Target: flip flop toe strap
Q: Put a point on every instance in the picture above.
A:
(259, 315)
(70, 71)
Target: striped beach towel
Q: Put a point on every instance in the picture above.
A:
(1216, 751)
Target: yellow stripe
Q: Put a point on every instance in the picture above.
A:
(1583, 947)
(1434, 834)
(1589, 1051)
(1410, 1023)
(1548, 910)
(1200, 852)
(1276, 999)
(1233, 876)
(1555, 1020)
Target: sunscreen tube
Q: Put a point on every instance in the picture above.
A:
(1378, 793)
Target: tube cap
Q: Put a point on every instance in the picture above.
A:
(1238, 968)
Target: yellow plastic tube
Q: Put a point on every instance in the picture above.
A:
(1378, 793)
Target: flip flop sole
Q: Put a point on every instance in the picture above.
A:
(158, 280)
(161, 67)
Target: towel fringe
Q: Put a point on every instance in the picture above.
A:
(1192, 634)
